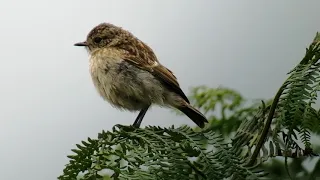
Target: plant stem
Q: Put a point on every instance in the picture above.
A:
(266, 127)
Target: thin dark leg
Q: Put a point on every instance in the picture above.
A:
(140, 117)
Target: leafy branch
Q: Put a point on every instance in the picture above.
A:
(155, 153)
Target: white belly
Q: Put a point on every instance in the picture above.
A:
(125, 86)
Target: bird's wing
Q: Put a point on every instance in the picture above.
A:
(144, 58)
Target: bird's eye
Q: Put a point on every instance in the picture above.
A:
(97, 39)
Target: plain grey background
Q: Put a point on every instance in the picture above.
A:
(48, 102)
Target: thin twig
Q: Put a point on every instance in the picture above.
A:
(266, 127)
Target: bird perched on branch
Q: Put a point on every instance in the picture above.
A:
(128, 75)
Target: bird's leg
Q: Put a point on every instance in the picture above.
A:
(140, 117)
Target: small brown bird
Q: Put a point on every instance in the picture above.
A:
(127, 74)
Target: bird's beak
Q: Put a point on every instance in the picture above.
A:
(81, 44)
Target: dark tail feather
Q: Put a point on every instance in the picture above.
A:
(196, 116)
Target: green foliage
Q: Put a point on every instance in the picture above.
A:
(257, 134)
(223, 107)
(278, 170)
(294, 117)
(299, 92)
(156, 153)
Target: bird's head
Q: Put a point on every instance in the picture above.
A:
(104, 35)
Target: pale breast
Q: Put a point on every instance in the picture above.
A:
(103, 78)
(124, 85)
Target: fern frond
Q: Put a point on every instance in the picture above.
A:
(157, 153)
(299, 93)
(292, 112)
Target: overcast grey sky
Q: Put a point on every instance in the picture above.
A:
(48, 102)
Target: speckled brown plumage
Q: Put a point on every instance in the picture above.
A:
(127, 74)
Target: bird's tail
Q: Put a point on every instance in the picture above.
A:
(195, 115)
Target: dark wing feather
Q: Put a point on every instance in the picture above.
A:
(166, 76)
(143, 57)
